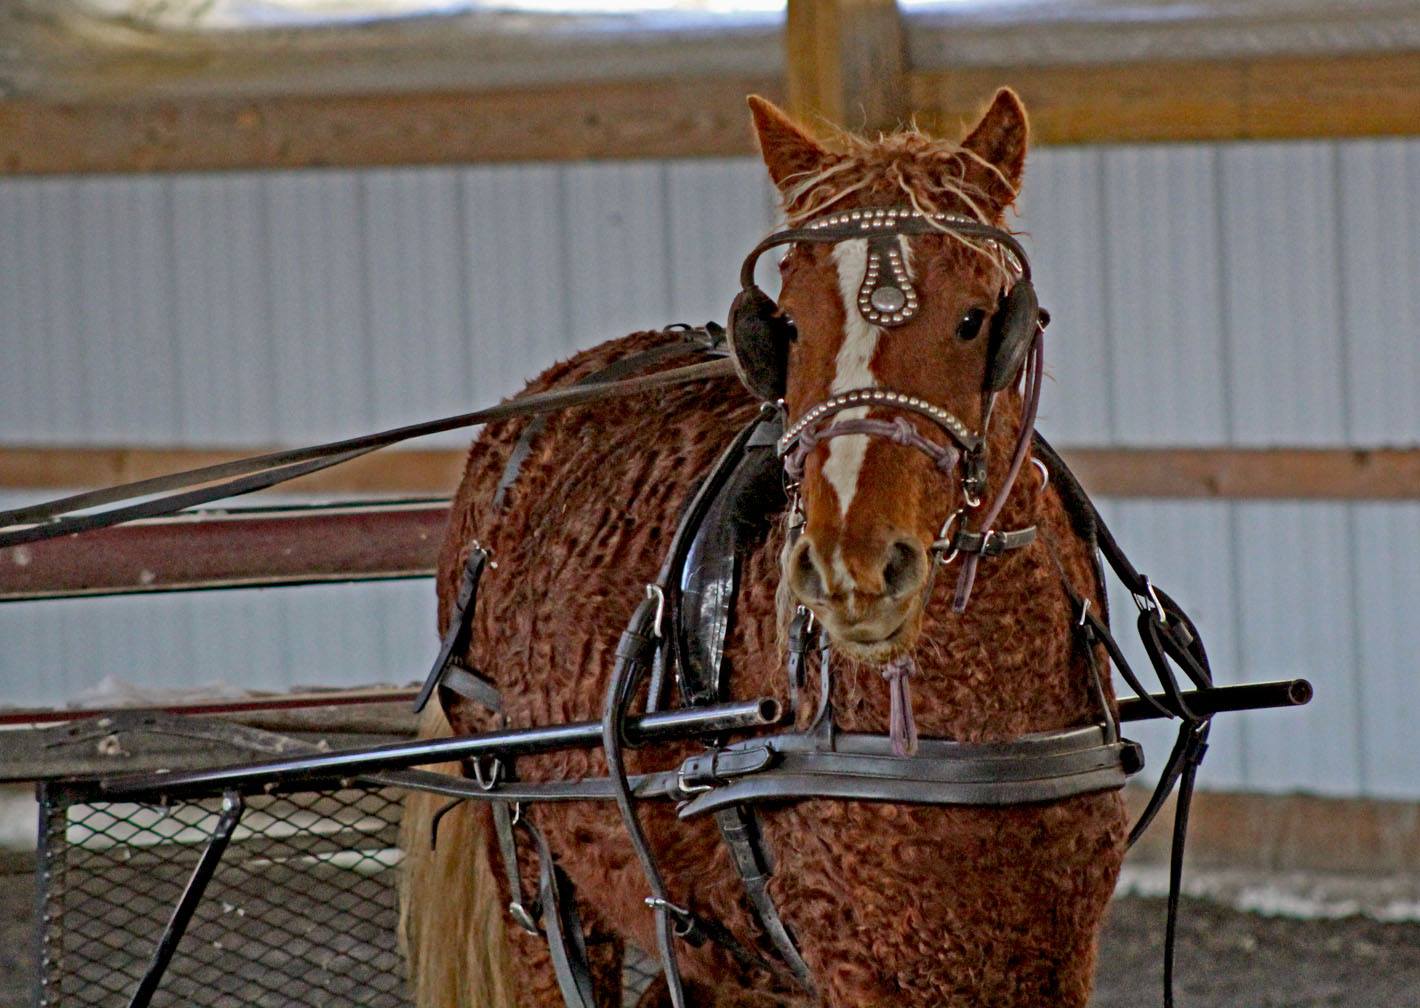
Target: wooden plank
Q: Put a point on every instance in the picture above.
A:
(1233, 99)
(408, 472)
(1178, 473)
(846, 62)
(238, 548)
(846, 67)
(1250, 473)
(644, 119)
(1288, 832)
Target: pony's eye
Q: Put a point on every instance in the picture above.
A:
(970, 325)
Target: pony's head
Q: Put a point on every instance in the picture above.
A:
(915, 315)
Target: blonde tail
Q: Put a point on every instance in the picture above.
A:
(450, 917)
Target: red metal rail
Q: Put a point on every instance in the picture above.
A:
(232, 548)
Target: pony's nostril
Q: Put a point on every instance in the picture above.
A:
(804, 577)
(906, 565)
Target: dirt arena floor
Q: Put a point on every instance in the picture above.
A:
(1228, 957)
(1239, 959)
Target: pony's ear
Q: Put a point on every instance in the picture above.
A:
(786, 147)
(999, 139)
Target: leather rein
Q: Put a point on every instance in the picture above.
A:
(193, 487)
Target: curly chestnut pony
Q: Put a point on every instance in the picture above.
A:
(891, 905)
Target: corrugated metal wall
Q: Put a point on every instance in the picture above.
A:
(1246, 294)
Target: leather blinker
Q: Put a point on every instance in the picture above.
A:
(1012, 331)
(759, 336)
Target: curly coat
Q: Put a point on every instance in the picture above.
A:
(890, 904)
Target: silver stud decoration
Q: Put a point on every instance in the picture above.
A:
(879, 397)
(884, 219)
(886, 296)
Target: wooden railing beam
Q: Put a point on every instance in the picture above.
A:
(1357, 473)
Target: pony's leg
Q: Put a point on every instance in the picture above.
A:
(537, 982)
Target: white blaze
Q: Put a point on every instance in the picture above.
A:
(853, 366)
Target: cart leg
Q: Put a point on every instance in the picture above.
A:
(232, 807)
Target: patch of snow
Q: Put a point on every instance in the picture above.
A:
(1297, 895)
(19, 818)
(111, 691)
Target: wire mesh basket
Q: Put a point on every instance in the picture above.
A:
(300, 911)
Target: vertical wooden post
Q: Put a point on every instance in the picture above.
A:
(847, 63)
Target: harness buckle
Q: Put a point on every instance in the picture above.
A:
(1149, 601)
(684, 919)
(973, 481)
(654, 591)
(522, 917)
(685, 787)
(945, 544)
(495, 772)
(993, 543)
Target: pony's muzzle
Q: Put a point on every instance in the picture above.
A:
(862, 595)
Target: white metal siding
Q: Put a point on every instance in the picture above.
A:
(1250, 294)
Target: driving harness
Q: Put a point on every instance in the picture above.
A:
(676, 637)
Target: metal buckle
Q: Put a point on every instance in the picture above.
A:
(478, 547)
(523, 918)
(654, 591)
(993, 543)
(1044, 472)
(495, 772)
(973, 481)
(685, 921)
(943, 547)
(686, 788)
(1150, 601)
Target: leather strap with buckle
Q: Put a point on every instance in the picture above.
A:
(992, 542)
